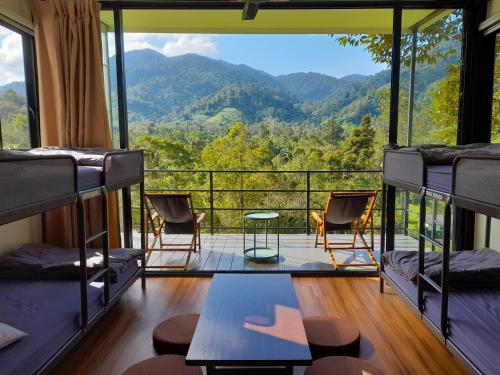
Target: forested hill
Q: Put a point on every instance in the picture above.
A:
(193, 89)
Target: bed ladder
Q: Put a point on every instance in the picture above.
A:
(103, 273)
(423, 279)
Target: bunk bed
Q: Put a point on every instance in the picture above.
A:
(413, 168)
(56, 308)
(457, 294)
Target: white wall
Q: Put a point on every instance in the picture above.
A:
(480, 231)
(15, 234)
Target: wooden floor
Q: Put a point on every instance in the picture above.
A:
(224, 252)
(393, 338)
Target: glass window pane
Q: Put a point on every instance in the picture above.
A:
(14, 129)
(495, 125)
(430, 77)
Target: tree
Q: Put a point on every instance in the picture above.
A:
(444, 106)
(332, 132)
(431, 42)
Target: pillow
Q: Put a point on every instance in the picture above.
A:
(9, 335)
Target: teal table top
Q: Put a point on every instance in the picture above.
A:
(262, 216)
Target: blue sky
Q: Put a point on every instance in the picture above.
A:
(275, 54)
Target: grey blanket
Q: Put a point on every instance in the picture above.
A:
(474, 268)
(441, 154)
(84, 156)
(43, 261)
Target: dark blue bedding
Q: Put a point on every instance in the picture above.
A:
(439, 177)
(474, 320)
(49, 312)
(89, 177)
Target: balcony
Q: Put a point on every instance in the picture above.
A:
(226, 195)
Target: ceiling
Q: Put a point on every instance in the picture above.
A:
(268, 21)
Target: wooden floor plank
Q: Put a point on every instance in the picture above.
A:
(222, 252)
(393, 338)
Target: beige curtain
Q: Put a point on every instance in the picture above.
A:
(72, 98)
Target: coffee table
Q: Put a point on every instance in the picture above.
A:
(258, 253)
(250, 321)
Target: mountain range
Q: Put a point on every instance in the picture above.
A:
(194, 89)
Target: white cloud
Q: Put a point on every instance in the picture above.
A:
(187, 43)
(11, 57)
(170, 44)
(134, 41)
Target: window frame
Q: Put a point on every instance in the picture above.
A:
(30, 80)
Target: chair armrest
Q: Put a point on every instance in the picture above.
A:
(317, 218)
(200, 217)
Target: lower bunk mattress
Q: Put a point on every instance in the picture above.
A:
(474, 316)
(49, 312)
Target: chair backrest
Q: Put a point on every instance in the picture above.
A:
(346, 207)
(174, 208)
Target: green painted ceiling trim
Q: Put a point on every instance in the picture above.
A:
(287, 21)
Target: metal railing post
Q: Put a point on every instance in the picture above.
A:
(211, 203)
(308, 201)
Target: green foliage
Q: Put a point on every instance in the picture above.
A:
(431, 42)
(14, 120)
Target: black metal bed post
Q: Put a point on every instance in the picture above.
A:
(445, 268)
(82, 246)
(421, 251)
(382, 236)
(487, 235)
(143, 234)
(105, 243)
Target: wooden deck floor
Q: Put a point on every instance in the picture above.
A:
(224, 252)
(393, 338)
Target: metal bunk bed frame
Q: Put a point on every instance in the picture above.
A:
(450, 199)
(79, 199)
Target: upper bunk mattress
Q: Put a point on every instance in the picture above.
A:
(407, 167)
(439, 177)
(120, 168)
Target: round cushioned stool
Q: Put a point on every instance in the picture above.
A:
(174, 335)
(163, 365)
(341, 366)
(329, 336)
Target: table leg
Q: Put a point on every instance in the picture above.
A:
(278, 232)
(255, 241)
(265, 225)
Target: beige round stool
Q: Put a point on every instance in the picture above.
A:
(163, 365)
(341, 366)
(329, 336)
(174, 335)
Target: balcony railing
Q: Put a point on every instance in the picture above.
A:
(306, 190)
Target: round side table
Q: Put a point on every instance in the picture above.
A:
(259, 253)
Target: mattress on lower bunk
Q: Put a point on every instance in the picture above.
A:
(49, 312)
(474, 320)
(439, 177)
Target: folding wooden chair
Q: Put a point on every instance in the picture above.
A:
(172, 214)
(347, 211)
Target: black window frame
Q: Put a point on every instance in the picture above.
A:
(30, 80)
